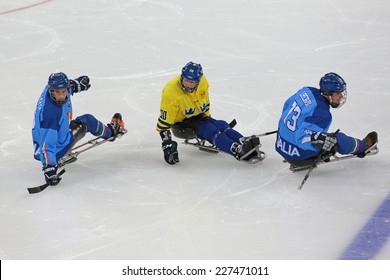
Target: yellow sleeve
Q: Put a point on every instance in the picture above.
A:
(169, 106)
(203, 96)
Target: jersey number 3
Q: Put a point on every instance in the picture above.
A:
(292, 116)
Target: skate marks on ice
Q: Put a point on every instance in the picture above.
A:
(46, 39)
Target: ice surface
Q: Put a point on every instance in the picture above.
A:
(121, 200)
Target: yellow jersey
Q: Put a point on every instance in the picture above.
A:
(177, 105)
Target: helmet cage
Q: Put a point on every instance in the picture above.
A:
(193, 72)
(58, 81)
(341, 102)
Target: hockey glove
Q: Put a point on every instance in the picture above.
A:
(171, 154)
(80, 84)
(324, 141)
(51, 176)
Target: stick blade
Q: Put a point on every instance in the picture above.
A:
(44, 186)
(37, 189)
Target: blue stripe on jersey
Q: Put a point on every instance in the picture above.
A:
(163, 125)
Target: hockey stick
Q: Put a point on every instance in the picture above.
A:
(370, 152)
(267, 133)
(44, 186)
(373, 150)
(260, 135)
(72, 156)
(314, 165)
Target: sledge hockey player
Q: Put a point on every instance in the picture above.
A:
(303, 138)
(54, 132)
(185, 109)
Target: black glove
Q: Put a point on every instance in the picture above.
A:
(51, 176)
(171, 154)
(80, 84)
(324, 141)
(75, 124)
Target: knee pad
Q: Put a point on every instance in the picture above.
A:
(78, 129)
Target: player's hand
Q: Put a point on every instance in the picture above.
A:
(323, 140)
(80, 84)
(171, 155)
(50, 173)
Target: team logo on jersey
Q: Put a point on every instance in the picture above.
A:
(203, 107)
(286, 147)
(190, 111)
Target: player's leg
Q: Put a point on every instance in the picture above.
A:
(351, 145)
(93, 126)
(211, 132)
(224, 127)
(97, 128)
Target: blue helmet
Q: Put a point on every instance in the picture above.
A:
(331, 83)
(193, 72)
(58, 81)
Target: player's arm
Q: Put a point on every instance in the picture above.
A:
(49, 129)
(207, 112)
(204, 87)
(48, 147)
(168, 111)
(82, 83)
(48, 156)
(315, 131)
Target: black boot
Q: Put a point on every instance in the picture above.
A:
(243, 151)
(116, 126)
(370, 140)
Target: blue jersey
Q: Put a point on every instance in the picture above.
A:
(50, 131)
(305, 112)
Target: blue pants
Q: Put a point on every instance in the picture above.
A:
(219, 133)
(349, 145)
(94, 126)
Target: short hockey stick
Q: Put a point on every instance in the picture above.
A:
(261, 134)
(314, 165)
(44, 186)
(72, 156)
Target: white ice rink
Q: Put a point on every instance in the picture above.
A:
(122, 201)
